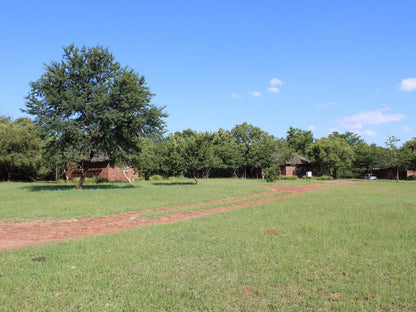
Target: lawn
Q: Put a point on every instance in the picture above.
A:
(343, 248)
(41, 201)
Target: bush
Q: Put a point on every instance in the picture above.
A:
(93, 180)
(324, 177)
(272, 173)
(412, 178)
(156, 177)
(100, 180)
(293, 177)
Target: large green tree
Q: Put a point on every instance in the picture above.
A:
(409, 148)
(299, 140)
(397, 158)
(245, 135)
(198, 150)
(270, 152)
(331, 156)
(367, 157)
(90, 106)
(351, 138)
(229, 152)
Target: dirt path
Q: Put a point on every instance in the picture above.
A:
(19, 235)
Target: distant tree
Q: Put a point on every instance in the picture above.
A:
(229, 151)
(89, 106)
(147, 161)
(270, 152)
(367, 156)
(170, 155)
(299, 140)
(245, 136)
(409, 149)
(395, 157)
(351, 138)
(199, 153)
(20, 148)
(331, 156)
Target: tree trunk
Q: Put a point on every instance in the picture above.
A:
(194, 173)
(9, 175)
(81, 181)
(84, 166)
(126, 176)
(207, 173)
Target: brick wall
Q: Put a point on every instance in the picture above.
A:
(298, 170)
(411, 173)
(103, 170)
(116, 174)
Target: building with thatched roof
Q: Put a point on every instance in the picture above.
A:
(100, 167)
(297, 166)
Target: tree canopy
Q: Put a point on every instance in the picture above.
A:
(331, 156)
(299, 140)
(89, 106)
(247, 135)
(395, 157)
(223, 153)
(20, 148)
(409, 149)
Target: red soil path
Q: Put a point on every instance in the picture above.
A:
(20, 235)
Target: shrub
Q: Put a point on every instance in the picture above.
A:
(272, 173)
(324, 177)
(93, 180)
(293, 177)
(156, 177)
(100, 180)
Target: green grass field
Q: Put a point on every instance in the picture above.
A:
(343, 248)
(41, 201)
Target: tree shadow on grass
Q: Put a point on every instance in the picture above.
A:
(173, 183)
(70, 187)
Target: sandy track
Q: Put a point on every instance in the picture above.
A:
(20, 235)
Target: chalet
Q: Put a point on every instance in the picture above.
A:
(101, 168)
(297, 166)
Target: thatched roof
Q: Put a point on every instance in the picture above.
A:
(298, 160)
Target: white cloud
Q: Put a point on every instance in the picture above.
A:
(368, 118)
(276, 82)
(235, 96)
(407, 129)
(255, 93)
(408, 84)
(273, 89)
(369, 133)
(311, 128)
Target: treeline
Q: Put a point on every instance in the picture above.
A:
(222, 153)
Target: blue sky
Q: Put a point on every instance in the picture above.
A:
(316, 65)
